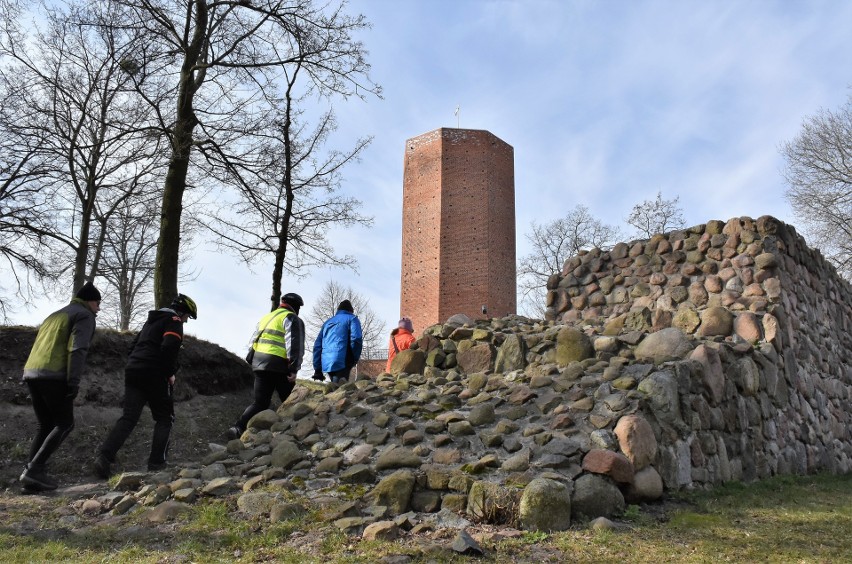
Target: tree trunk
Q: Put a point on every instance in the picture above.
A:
(168, 246)
(284, 232)
(82, 247)
(281, 251)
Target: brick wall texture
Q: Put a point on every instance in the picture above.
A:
(458, 227)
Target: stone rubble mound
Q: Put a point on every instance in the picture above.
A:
(512, 421)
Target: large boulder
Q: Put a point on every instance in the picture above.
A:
(647, 486)
(545, 506)
(714, 378)
(481, 414)
(746, 374)
(613, 464)
(394, 492)
(459, 319)
(666, 344)
(716, 320)
(636, 440)
(399, 457)
(286, 454)
(260, 503)
(595, 496)
(660, 388)
(686, 319)
(511, 355)
(264, 420)
(409, 361)
(478, 358)
(573, 345)
(747, 326)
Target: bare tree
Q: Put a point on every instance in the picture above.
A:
(819, 175)
(289, 195)
(130, 242)
(218, 58)
(656, 216)
(72, 114)
(553, 243)
(24, 210)
(372, 327)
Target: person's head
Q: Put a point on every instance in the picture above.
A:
(185, 307)
(89, 294)
(293, 301)
(405, 323)
(346, 305)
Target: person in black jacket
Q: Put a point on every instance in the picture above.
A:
(148, 379)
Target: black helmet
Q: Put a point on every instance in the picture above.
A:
(292, 299)
(186, 305)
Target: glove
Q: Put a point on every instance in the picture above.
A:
(71, 392)
(318, 376)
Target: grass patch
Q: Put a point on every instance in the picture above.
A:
(791, 519)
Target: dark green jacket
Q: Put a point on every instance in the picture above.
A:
(61, 345)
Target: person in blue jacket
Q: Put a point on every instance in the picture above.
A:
(338, 345)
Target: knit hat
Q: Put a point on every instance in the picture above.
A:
(405, 323)
(88, 293)
(346, 305)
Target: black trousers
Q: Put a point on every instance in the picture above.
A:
(341, 375)
(54, 410)
(265, 384)
(140, 390)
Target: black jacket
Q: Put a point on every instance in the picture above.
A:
(155, 348)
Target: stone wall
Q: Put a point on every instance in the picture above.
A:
(732, 340)
(780, 308)
(719, 353)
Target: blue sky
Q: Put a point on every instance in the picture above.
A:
(605, 103)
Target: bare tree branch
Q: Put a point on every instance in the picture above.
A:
(657, 216)
(225, 56)
(553, 243)
(819, 175)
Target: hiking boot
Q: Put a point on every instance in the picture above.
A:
(36, 479)
(234, 433)
(157, 467)
(100, 467)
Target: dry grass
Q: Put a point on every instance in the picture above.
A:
(801, 519)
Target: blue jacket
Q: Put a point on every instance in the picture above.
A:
(339, 342)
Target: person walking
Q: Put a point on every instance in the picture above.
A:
(401, 338)
(275, 355)
(337, 348)
(149, 378)
(52, 373)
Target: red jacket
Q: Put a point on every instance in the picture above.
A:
(402, 338)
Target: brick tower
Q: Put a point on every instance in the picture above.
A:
(458, 227)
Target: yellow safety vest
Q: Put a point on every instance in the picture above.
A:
(271, 339)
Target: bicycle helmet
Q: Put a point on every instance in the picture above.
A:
(293, 300)
(186, 305)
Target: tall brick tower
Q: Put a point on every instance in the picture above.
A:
(458, 227)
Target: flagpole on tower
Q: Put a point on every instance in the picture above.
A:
(458, 119)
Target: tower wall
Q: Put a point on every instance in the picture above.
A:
(458, 241)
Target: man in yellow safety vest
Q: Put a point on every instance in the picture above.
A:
(276, 352)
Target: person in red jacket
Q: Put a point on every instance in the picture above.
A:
(400, 339)
(149, 376)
